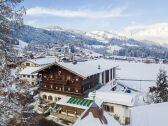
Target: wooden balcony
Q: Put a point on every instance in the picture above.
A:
(77, 94)
(54, 81)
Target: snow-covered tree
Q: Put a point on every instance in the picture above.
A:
(12, 99)
(160, 91)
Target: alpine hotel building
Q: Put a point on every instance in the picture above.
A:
(62, 79)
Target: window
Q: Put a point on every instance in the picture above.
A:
(111, 74)
(32, 82)
(27, 64)
(44, 97)
(51, 76)
(68, 78)
(24, 75)
(76, 90)
(59, 98)
(51, 86)
(56, 88)
(69, 89)
(28, 76)
(103, 77)
(50, 98)
(45, 76)
(114, 72)
(108, 108)
(32, 76)
(127, 120)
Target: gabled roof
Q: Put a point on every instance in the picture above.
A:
(95, 116)
(84, 69)
(29, 70)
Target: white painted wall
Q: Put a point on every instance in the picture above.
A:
(121, 111)
(35, 80)
(54, 95)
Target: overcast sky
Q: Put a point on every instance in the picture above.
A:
(87, 15)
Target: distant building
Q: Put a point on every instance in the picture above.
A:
(27, 68)
(74, 79)
(26, 75)
(37, 62)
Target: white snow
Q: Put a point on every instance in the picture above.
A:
(105, 36)
(29, 70)
(150, 115)
(87, 68)
(97, 46)
(22, 44)
(128, 99)
(90, 120)
(43, 61)
(112, 48)
(130, 45)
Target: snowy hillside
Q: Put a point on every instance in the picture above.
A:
(104, 36)
(100, 41)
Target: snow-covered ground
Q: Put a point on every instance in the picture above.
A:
(138, 75)
(150, 115)
(113, 48)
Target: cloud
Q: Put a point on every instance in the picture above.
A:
(30, 22)
(153, 32)
(84, 13)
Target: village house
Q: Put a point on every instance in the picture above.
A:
(37, 62)
(27, 68)
(27, 76)
(62, 79)
(117, 103)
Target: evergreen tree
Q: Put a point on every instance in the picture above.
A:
(160, 92)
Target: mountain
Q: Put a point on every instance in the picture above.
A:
(30, 34)
(109, 43)
(104, 36)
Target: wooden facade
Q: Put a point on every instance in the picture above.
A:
(56, 79)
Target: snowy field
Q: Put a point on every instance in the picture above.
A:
(139, 75)
(150, 115)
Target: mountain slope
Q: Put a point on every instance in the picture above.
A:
(37, 35)
(108, 42)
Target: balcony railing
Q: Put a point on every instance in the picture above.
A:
(52, 81)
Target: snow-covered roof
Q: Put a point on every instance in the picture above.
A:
(93, 117)
(64, 101)
(127, 99)
(29, 70)
(87, 68)
(150, 115)
(43, 61)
